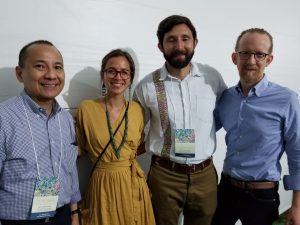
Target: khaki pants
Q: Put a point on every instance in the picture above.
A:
(193, 194)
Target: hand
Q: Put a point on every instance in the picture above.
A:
(75, 219)
(293, 216)
(141, 149)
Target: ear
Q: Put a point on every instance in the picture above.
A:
(269, 59)
(160, 47)
(19, 74)
(195, 42)
(234, 58)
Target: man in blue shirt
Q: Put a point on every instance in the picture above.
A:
(38, 175)
(262, 120)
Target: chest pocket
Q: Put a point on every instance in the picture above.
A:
(204, 108)
(14, 169)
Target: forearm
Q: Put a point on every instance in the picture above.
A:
(74, 214)
(293, 216)
(296, 199)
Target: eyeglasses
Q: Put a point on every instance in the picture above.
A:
(259, 56)
(112, 73)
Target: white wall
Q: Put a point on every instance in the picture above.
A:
(85, 30)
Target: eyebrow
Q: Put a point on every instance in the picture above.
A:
(111, 67)
(180, 36)
(44, 61)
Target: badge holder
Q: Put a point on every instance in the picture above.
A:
(45, 198)
(185, 143)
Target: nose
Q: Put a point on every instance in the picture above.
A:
(252, 59)
(51, 73)
(179, 45)
(118, 75)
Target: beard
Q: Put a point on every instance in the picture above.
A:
(179, 63)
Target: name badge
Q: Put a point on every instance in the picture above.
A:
(185, 143)
(45, 198)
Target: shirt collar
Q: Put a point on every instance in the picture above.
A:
(164, 74)
(258, 89)
(261, 86)
(35, 107)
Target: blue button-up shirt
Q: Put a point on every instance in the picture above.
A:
(18, 166)
(260, 127)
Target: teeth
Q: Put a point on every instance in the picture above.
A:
(49, 85)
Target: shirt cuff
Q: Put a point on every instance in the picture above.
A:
(75, 197)
(291, 182)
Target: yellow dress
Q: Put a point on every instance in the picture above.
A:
(117, 192)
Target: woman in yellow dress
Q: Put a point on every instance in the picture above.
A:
(117, 192)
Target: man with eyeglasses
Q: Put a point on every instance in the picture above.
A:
(179, 99)
(262, 120)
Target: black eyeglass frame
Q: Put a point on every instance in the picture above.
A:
(244, 55)
(116, 72)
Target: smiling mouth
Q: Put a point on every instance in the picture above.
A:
(49, 85)
(117, 84)
(179, 56)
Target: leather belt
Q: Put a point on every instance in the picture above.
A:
(180, 168)
(250, 184)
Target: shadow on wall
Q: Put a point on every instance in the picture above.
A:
(83, 85)
(9, 85)
(86, 84)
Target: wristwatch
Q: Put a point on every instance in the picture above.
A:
(75, 211)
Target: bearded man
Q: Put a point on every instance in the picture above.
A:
(179, 100)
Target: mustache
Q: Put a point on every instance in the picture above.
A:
(250, 67)
(177, 52)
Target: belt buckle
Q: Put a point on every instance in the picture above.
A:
(202, 164)
(239, 184)
(245, 185)
(193, 168)
(190, 168)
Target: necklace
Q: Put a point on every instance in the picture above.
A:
(111, 134)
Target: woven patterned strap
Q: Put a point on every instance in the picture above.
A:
(163, 112)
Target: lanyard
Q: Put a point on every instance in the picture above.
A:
(33, 145)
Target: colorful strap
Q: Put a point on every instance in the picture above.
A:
(163, 112)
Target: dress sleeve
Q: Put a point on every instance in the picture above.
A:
(80, 131)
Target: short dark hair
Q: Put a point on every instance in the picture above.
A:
(117, 53)
(23, 52)
(168, 23)
(254, 30)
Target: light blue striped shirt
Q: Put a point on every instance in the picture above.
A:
(18, 167)
(260, 127)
